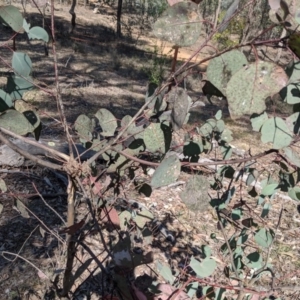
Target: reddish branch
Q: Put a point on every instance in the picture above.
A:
(190, 164)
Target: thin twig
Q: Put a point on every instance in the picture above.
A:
(12, 260)
(36, 144)
(232, 259)
(264, 267)
(60, 103)
(19, 256)
(29, 156)
(49, 206)
(190, 164)
(50, 231)
(94, 218)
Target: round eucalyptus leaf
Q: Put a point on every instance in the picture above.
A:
(179, 24)
(276, 131)
(12, 17)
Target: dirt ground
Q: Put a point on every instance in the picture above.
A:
(99, 71)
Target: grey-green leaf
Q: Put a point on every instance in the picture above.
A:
(206, 250)
(249, 87)
(11, 16)
(269, 189)
(294, 193)
(205, 268)
(192, 289)
(22, 209)
(218, 115)
(181, 105)
(292, 156)
(266, 209)
(125, 217)
(257, 121)
(21, 64)
(122, 162)
(220, 69)
(167, 172)
(206, 129)
(5, 101)
(143, 217)
(253, 175)
(38, 33)
(254, 260)
(17, 86)
(3, 186)
(83, 126)
(179, 24)
(236, 214)
(165, 272)
(275, 130)
(264, 237)
(220, 126)
(26, 25)
(226, 152)
(124, 123)
(16, 122)
(293, 122)
(107, 122)
(154, 138)
(227, 135)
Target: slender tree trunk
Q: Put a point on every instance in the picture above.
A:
(73, 18)
(119, 14)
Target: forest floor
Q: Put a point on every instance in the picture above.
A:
(99, 71)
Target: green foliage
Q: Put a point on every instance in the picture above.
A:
(276, 131)
(6, 101)
(156, 71)
(205, 268)
(246, 86)
(292, 156)
(231, 35)
(17, 122)
(251, 85)
(107, 121)
(291, 92)
(166, 272)
(140, 218)
(21, 64)
(154, 138)
(224, 40)
(211, 130)
(181, 106)
(222, 68)
(156, 8)
(264, 237)
(20, 121)
(11, 16)
(167, 172)
(38, 33)
(84, 127)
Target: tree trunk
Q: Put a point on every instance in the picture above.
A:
(119, 14)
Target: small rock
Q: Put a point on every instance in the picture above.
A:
(150, 171)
